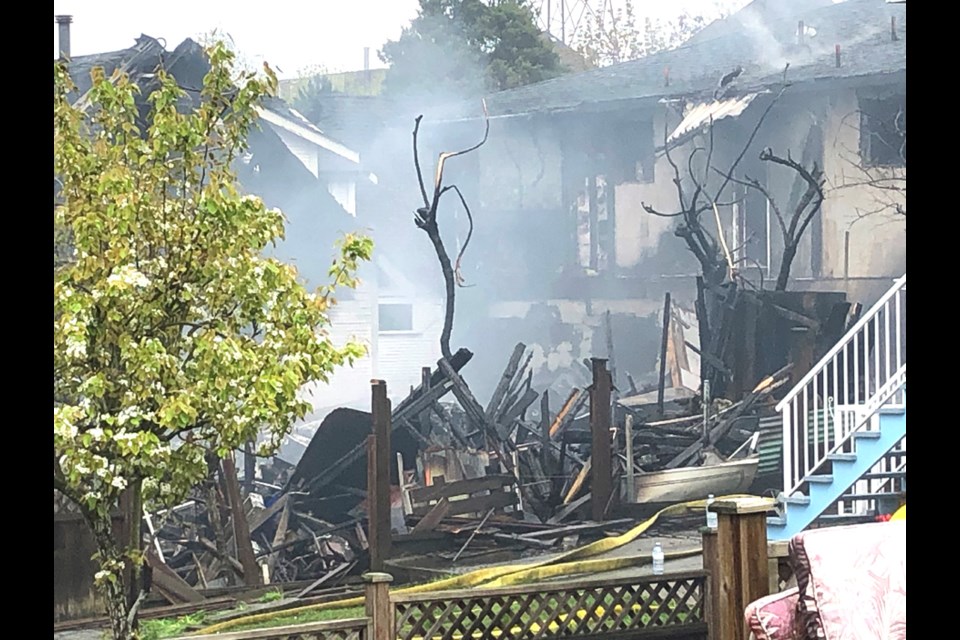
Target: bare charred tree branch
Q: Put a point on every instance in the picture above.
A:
(755, 184)
(426, 219)
(416, 161)
(753, 134)
(456, 265)
(800, 218)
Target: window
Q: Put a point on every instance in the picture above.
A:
(396, 317)
(631, 152)
(883, 131)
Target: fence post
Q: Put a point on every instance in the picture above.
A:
(378, 478)
(378, 607)
(601, 480)
(737, 562)
(709, 545)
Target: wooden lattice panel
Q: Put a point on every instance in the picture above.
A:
(62, 505)
(342, 634)
(583, 609)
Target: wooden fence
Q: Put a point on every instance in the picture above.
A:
(625, 608)
(672, 605)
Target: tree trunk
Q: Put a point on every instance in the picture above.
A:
(133, 517)
(113, 587)
(447, 268)
(783, 276)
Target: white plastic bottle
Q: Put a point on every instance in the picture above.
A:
(711, 515)
(657, 558)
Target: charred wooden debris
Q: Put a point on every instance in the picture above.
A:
(463, 483)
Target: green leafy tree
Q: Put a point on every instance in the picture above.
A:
(175, 337)
(611, 35)
(469, 47)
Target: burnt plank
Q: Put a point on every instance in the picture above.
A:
(568, 412)
(257, 520)
(664, 341)
(433, 517)
(508, 374)
(241, 530)
(461, 488)
(521, 405)
(457, 361)
(475, 413)
(476, 504)
(174, 588)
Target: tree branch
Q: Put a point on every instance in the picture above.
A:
(426, 219)
(753, 134)
(416, 161)
(456, 266)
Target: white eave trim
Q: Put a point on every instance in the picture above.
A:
(310, 135)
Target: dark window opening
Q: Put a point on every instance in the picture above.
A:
(631, 152)
(396, 317)
(883, 132)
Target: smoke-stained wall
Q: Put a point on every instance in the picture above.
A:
(863, 236)
(531, 287)
(522, 167)
(638, 233)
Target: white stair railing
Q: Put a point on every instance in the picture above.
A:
(830, 401)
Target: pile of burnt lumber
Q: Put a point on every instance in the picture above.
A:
(720, 426)
(465, 478)
(214, 542)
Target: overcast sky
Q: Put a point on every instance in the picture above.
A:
(292, 36)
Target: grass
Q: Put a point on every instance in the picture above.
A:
(271, 596)
(304, 617)
(169, 627)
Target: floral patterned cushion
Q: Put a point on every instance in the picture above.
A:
(771, 618)
(852, 582)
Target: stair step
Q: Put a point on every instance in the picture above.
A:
(869, 496)
(892, 411)
(884, 474)
(846, 518)
(842, 457)
(776, 521)
(820, 479)
(866, 435)
(798, 500)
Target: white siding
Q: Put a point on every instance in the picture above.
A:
(401, 354)
(305, 152)
(349, 386)
(346, 194)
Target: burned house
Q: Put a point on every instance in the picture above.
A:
(563, 186)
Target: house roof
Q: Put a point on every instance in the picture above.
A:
(761, 38)
(188, 65)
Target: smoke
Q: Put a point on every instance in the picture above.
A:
(767, 48)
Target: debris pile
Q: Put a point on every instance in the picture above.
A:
(467, 480)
